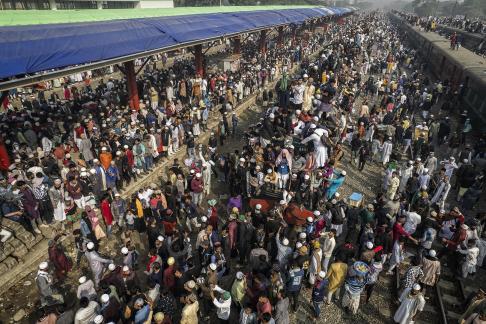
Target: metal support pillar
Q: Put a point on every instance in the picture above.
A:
(237, 45)
(198, 60)
(263, 41)
(280, 37)
(132, 85)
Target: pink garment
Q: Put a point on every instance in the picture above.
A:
(232, 231)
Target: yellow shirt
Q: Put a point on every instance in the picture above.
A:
(336, 275)
(139, 206)
(324, 77)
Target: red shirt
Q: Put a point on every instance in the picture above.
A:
(130, 158)
(169, 278)
(398, 232)
(106, 212)
(151, 260)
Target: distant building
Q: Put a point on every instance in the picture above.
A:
(84, 4)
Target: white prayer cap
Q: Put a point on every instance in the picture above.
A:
(297, 112)
(160, 238)
(242, 160)
(369, 245)
(192, 171)
(198, 175)
(317, 213)
(118, 153)
(124, 250)
(239, 275)
(112, 267)
(105, 298)
(416, 287)
(285, 241)
(432, 253)
(204, 219)
(452, 158)
(213, 266)
(309, 219)
(82, 280)
(98, 319)
(337, 195)
(465, 161)
(125, 146)
(312, 126)
(272, 115)
(92, 171)
(343, 173)
(269, 170)
(68, 156)
(90, 245)
(43, 265)
(306, 177)
(103, 148)
(283, 202)
(83, 170)
(426, 170)
(334, 201)
(302, 235)
(322, 274)
(96, 160)
(298, 245)
(117, 195)
(305, 76)
(315, 118)
(125, 269)
(258, 206)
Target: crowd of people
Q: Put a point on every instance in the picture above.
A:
(287, 229)
(474, 25)
(430, 23)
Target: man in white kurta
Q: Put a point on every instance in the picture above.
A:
(387, 151)
(308, 95)
(441, 192)
(431, 163)
(206, 173)
(393, 185)
(449, 166)
(405, 174)
(319, 148)
(411, 302)
(96, 263)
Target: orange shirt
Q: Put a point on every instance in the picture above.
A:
(105, 160)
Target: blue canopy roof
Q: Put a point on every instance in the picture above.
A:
(36, 48)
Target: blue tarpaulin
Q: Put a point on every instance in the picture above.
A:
(36, 48)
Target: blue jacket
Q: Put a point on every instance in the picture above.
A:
(296, 277)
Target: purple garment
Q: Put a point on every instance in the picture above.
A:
(328, 171)
(234, 202)
(30, 203)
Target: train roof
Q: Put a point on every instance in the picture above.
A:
(473, 65)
